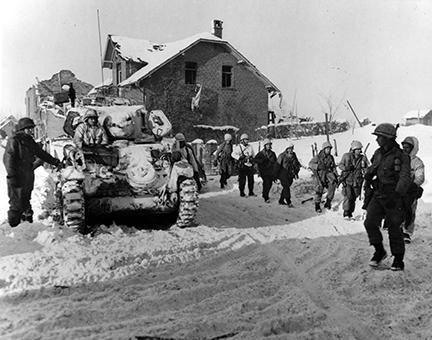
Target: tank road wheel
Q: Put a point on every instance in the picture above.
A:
(73, 205)
(188, 197)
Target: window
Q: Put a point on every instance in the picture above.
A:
(119, 73)
(190, 72)
(226, 76)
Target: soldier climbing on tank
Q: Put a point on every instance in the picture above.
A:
(387, 181)
(90, 133)
(324, 168)
(188, 154)
(19, 159)
(353, 166)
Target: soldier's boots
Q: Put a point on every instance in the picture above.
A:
(379, 255)
(318, 208)
(398, 263)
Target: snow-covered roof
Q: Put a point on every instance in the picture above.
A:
(107, 82)
(217, 128)
(155, 55)
(417, 113)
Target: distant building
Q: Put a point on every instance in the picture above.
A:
(418, 117)
(8, 125)
(200, 80)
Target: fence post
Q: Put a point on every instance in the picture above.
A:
(335, 146)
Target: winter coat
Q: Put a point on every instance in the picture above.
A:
(287, 166)
(353, 169)
(266, 160)
(244, 155)
(189, 155)
(224, 158)
(86, 135)
(20, 157)
(324, 168)
(417, 165)
(391, 166)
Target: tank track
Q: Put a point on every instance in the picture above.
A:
(73, 205)
(188, 197)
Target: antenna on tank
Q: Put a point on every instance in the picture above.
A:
(100, 48)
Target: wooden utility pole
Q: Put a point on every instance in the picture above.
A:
(352, 110)
(327, 129)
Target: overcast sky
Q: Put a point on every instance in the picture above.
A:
(377, 54)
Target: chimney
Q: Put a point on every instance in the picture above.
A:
(217, 28)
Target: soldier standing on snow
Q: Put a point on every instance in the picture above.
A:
(244, 154)
(225, 160)
(19, 160)
(410, 146)
(266, 160)
(287, 169)
(387, 181)
(324, 168)
(353, 165)
(188, 154)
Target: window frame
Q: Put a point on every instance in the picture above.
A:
(227, 77)
(190, 72)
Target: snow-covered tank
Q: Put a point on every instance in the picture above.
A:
(133, 175)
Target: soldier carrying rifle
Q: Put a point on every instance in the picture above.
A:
(353, 165)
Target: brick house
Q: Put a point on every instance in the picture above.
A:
(229, 89)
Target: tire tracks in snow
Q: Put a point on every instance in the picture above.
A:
(344, 318)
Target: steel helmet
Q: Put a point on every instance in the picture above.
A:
(227, 137)
(25, 123)
(408, 140)
(355, 144)
(90, 113)
(180, 137)
(267, 141)
(386, 130)
(244, 136)
(326, 145)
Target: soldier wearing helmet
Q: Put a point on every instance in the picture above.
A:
(410, 146)
(21, 155)
(287, 169)
(324, 168)
(266, 161)
(90, 133)
(353, 166)
(387, 181)
(224, 159)
(244, 154)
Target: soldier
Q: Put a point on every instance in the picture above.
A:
(386, 183)
(353, 165)
(188, 154)
(19, 160)
(287, 169)
(410, 146)
(90, 133)
(266, 160)
(225, 160)
(244, 155)
(324, 168)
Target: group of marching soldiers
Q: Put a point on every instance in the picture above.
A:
(391, 182)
